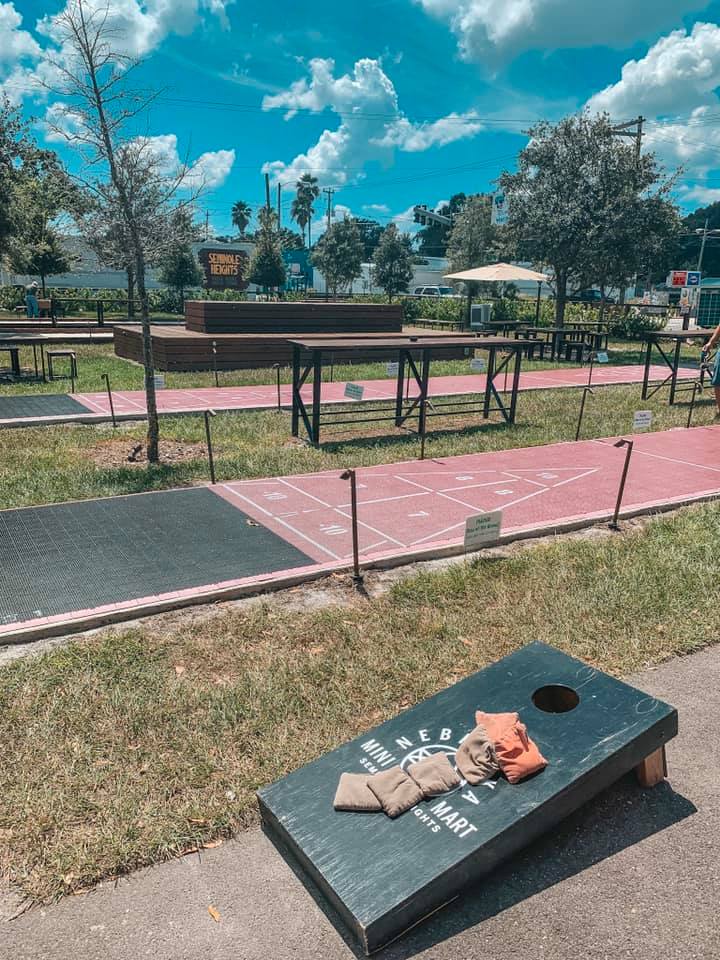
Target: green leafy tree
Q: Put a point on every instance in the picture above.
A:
(573, 199)
(179, 269)
(303, 209)
(370, 233)
(42, 257)
(473, 240)
(267, 267)
(392, 264)
(339, 255)
(241, 216)
(15, 146)
(289, 240)
(433, 239)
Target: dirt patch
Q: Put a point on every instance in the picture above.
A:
(131, 452)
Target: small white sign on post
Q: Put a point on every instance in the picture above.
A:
(477, 365)
(392, 368)
(353, 391)
(483, 528)
(642, 419)
(602, 357)
(159, 379)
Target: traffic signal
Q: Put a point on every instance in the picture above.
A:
(419, 214)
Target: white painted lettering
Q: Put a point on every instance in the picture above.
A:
(440, 809)
(461, 823)
(445, 733)
(424, 735)
(470, 829)
(403, 743)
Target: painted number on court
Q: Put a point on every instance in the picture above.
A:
(642, 419)
(353, 391)
(482, 528)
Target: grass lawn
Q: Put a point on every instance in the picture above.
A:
(51, 464)
(122, 750)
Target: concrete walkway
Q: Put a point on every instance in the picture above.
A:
(635, 873)
(28, 410)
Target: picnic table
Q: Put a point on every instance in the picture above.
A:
(413, 357)
(574, 339)
(427, 322)
(673, 339)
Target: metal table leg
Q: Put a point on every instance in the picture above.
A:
(675, 366)
(317, 385)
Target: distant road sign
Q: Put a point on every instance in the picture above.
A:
(677, 278)
(693, 278)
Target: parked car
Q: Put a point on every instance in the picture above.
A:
(589, 296)
(434, 292)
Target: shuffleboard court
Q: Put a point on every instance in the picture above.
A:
(30, 406)
(86, 555)
(72, 565)
(130, 404)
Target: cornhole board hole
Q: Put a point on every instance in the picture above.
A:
(383, 876)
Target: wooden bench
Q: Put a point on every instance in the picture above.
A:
(426, 322)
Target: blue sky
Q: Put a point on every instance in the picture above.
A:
(392, 102)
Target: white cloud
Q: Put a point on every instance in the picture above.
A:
(137, 27)
(376, 208)
(488, 30)
(209, 171)
(15, 44)
(674, 83)
(702, 195)
(372, 126)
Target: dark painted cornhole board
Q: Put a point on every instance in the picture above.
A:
(382, 876)
(27, 405)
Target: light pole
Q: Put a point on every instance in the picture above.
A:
(704, 233)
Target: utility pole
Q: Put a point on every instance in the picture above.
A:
(207, 225)
(329, 191)
(267, 191)
(279, 202)
(626, 130)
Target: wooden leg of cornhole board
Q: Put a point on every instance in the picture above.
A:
(653, 769)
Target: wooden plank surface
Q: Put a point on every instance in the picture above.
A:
(382, 876)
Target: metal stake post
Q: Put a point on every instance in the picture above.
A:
(211, 461)
(423, 428)
(696, 386)
(276, 368)
(590, 372)
(106, 378)
(215, 369)
(586, 391)
(356, 576)
(614, 525)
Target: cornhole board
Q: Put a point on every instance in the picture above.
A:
(383, 876)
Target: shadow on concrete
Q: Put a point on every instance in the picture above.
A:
(618, 818)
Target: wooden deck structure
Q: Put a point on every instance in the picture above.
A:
(235, 335)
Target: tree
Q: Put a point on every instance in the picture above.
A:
(289, 240)
(392, 264)
(339, 255)
(267, 267)
(370, 233)
(302, 209)
(179, 269)
(14, 149)
(573, 198)
(43, 257)
(122, 171)
(241, 216)
(43, 192)
(473, 239)
(433, 239)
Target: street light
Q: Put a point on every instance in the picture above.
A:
(705, 233)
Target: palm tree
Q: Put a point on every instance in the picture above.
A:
(241, 215)
(306, 192)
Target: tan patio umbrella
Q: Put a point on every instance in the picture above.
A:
(501, 273)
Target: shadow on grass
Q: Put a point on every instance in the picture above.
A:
(405, 438)
(600, 829)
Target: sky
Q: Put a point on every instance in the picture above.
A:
(389, 102)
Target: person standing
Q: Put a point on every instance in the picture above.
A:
(31, 301)
(711, 344)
